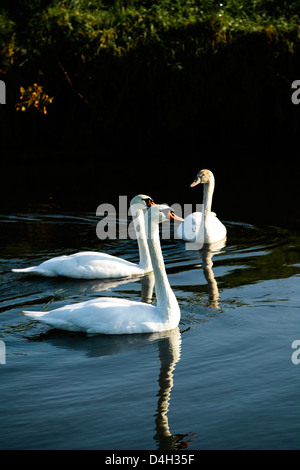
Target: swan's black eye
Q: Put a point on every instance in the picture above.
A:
(149, 202)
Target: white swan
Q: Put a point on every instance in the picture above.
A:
(203, 227)
(95, 265)
(121, 316)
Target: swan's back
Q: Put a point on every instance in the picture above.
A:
(107, 315)
(85, 265)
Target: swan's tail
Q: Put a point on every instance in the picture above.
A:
(33, 314)
(32, 269)
(44, 318)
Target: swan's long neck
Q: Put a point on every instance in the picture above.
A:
(208, 191)
(166, 299)
(140, 230)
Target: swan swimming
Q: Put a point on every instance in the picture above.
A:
(203, 227)
(112, 315)
(95, 265)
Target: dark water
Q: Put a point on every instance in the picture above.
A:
(224, 380)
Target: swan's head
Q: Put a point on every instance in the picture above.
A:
(160, 213)
(141, 202)
(203, 177)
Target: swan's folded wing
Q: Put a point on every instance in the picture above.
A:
(108, 315)
(85, 265)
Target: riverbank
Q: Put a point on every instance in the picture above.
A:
(157, 89)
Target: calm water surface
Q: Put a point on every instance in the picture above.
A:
(223, 380)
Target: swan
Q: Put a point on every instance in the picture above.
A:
(203, 227)
(95, 265)
(109, 315)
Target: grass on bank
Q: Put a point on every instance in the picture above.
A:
(92, 45)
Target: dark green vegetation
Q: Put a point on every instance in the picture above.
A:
(148, 80)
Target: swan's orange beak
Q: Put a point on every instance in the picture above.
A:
(194, 183)
(175, 217)
(150, 203)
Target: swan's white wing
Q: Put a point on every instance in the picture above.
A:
(217, 231)
(192, 229)
(85, 265)
(106, 315)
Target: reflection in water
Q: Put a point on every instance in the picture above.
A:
(147, 286)
(207, 253)
(169, 355)
(258, 269)
(169, 344)
(213, 290)
(99, 285)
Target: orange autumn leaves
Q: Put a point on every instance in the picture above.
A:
(33, 97)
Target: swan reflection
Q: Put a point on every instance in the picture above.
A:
(207, 251)
(169, 354)
(213, 291)
(169, 346)
(147, 282)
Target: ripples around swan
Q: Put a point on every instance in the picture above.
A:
(223, 379)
